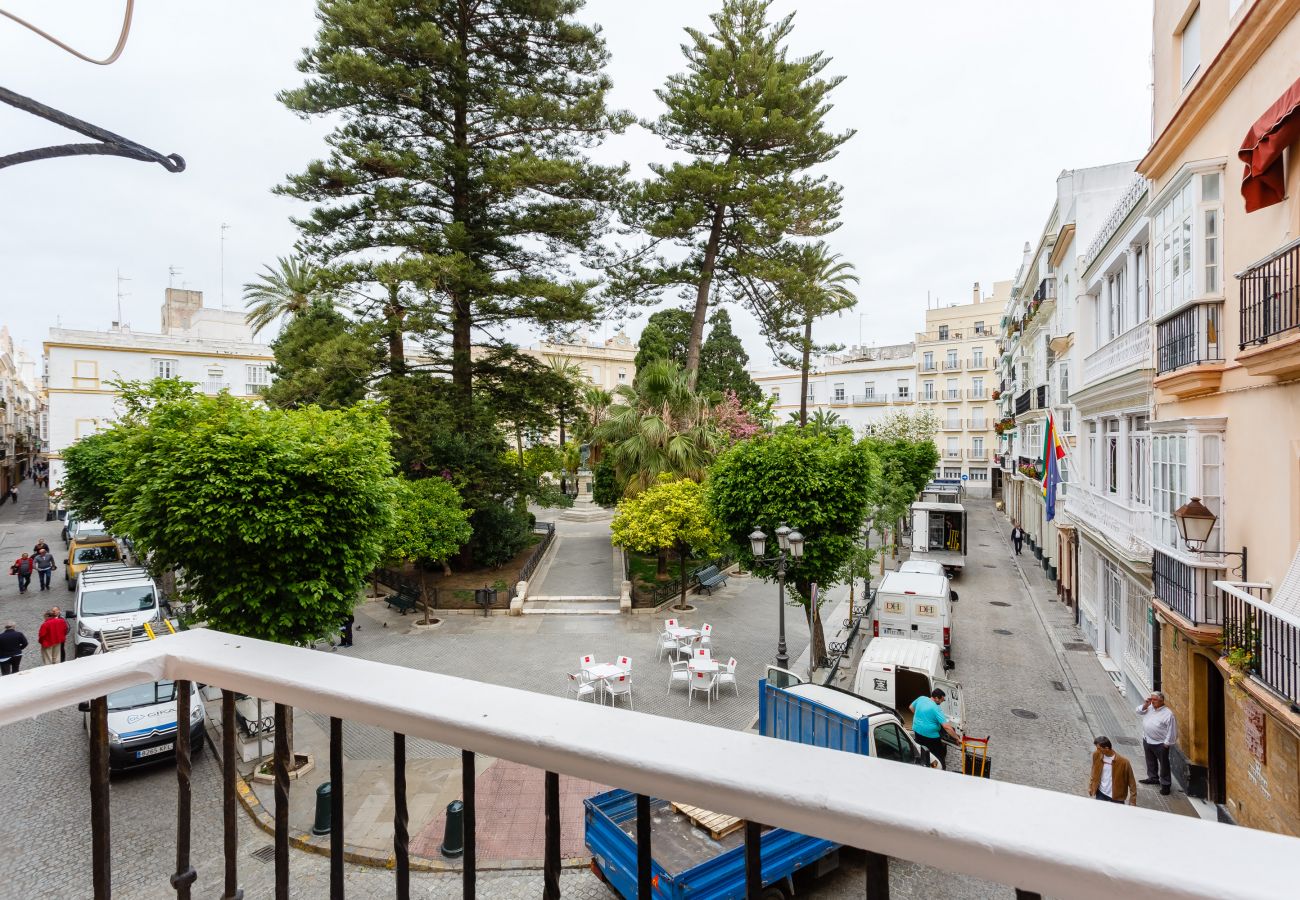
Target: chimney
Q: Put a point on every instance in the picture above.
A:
(976, 293)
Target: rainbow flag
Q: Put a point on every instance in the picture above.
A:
(1053, 453)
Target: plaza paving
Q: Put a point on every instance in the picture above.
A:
(47, 838)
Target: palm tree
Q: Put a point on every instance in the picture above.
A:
(286, 291)
(824, 289)
(657, 425)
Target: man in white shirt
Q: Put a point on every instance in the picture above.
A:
(1159, 733)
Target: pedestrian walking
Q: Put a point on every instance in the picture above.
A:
(13, 493)
(54, 631)
(347, 631)
(929, 722)
(1112, 776)
(1017, 536)
(12, 644)
(22, 567)
(44, 562)
(40, 546)
(1159, 733)
(63, 648)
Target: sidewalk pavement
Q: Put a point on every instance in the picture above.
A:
(580, 563)
(1103, 708)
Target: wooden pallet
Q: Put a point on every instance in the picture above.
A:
(716, 824)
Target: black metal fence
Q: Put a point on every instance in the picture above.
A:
(1189, 338)
(1187, 590)
(1270, 296)
(1268, 647)
(547, 531)
(1024, 402)
(662, 592)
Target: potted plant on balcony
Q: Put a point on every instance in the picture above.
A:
(997, 395)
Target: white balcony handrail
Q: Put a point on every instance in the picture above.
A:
(1132, 348)
(1034, 839)
(1235, 588)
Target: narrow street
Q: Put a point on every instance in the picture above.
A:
(1040, 699)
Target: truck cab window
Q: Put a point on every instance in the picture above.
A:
(892, 743)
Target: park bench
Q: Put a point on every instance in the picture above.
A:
(404, 600)
(710, 577)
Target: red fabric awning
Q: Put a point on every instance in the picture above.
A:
(1264, 182)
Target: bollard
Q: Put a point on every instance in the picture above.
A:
(453, 836)
(324, 808)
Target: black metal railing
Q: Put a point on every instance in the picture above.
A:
(1270, 296)
(1268, 647)
(1189, 338)
(1040, 397)
(547, 531)
(1187, 590)
(1024, 402)
(1046, 289)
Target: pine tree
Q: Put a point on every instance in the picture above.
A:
(723, 360)
(751, 120)
(460, 158)
(651, 346)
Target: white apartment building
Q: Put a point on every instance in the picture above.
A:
(1110, 502)
(213, 348)
(1040, 354)
(21, 413)
(860, 385)
(956, 375)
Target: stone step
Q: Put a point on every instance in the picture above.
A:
(571, 606)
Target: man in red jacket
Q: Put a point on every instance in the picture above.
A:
(54, 631)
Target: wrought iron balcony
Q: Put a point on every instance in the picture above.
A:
(977, 393)
(1189, 338)
(1270, 296)
(871, 399)
(928, 366)
(952, 393)
(952, 365)
(1024, 402)
(909, 813)
(978, 365)
(1046, 289)
(1040, 397)
(977, 454)
(1266, 637)
(951, 425)
(979, 424)
(1187, 590)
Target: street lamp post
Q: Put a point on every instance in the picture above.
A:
(789, 546)
(1195, 521)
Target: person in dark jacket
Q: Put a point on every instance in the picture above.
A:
(23, 567)
(1017, 536)
(12, 644)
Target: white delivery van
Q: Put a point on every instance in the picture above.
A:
(112, 597)
(895, 671)
(142, 723)
(915, 606)
(927, 567)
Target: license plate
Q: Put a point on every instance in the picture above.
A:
(153, 751)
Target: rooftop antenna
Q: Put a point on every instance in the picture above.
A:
(172, 272)
(224, 228)
(120, 294)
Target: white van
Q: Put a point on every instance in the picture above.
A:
(895, 671)
(915, 606)
(142, 723)
(112, 597)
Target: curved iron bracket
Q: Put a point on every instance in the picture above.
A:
(108, 143)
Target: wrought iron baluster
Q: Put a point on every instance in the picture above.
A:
(229, 801)
(401, 819)
(644, 882)
(101, 859)
(753, 860)
(877, 876)
(185, 874)
(551, 870)
(469, 861)
(336, 808)
(281, 767)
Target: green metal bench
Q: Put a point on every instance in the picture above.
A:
(403, 601)
(710, 577)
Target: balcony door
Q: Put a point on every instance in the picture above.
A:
(1216, 775)
(1112, 592)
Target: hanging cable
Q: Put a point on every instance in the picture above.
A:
(106, 61)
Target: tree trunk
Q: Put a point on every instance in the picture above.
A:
(462, 314)
(424, 595)
(681, 574)
(394, 317)
(563, 464)
(816, 639)
(661, 565)
(702, 294)
(803, 372)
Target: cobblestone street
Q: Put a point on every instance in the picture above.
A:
(1041, 704)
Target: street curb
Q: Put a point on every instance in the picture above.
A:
(365, 856)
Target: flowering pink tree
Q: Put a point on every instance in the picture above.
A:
(733, 420)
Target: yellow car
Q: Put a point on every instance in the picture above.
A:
(86, 550)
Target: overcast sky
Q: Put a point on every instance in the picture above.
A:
(965, 116)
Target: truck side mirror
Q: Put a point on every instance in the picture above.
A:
(70, 614)
(923, 756)
(83, 706)
(952, 596)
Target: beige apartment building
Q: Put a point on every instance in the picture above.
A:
(956, 379)
(606, 364)
(1225, 287)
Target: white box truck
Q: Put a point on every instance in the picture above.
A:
(939, 534)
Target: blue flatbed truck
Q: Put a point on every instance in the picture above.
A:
(687, 861)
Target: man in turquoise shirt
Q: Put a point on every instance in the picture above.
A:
(929, 723)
